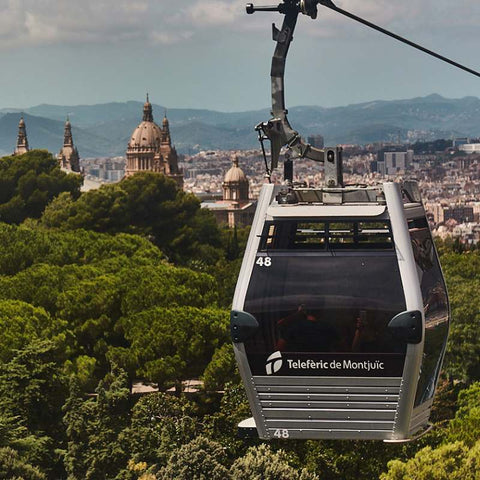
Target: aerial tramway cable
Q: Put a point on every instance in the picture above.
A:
(332, 6)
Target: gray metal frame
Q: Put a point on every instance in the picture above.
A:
(413, 300)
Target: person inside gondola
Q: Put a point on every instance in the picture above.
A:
(365, 338)
(302, 331)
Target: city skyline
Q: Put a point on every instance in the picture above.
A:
(210, 54)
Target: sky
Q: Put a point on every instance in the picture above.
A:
(211, 54)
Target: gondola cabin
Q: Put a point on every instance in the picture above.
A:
(340, 315)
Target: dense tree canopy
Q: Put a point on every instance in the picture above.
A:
(463, 281)
(29, 182)
(133, 282)
(148, 204)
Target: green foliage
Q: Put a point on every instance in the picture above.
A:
(12, 467)
(22, 247)
(463, 281)
(90, 282)
(32, 392)
(261, 463)
(174, 344)
(94, 427)
(466, 424)
(149, 204)
(75, 301)
(20, 322)
(29, 182)
(160, 424)
(453, 461)
(222, 425)
(201, 459)
(163, 285)
(222, 369)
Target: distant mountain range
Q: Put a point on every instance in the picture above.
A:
(104, 129)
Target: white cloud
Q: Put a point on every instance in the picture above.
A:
(32, 22)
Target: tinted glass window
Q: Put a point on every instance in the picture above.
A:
(326, 235)
(435, 304)
(324, 302)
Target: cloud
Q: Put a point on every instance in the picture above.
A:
(34, 22)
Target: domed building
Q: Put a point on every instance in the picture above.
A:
(235, 185)
(150, 148)
(68, 156)
(236, 208)
(22, 140)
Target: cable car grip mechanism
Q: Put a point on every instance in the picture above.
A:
(278, 129)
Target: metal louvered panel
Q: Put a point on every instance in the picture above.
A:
(341, 381)
(326, 407)
(329, 425)
(313, 414)
(328, 397)
(340, 403)
(327, 389)
(318, 434)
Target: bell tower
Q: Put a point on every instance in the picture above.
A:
(22, 140)
(68, 156)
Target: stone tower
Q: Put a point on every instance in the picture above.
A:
(22, 140)
(68, 156)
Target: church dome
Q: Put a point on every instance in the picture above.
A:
(146, 135)
(235, 174)
(235, 185)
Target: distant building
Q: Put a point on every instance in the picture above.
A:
(393, 163)
(235, 208)
(460, 213)
(150, 148)
(68, 156)
(470, 148)
(459, 141)
(316, 141)
(22, 140)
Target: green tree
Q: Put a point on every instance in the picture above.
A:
(161, 423)
(21, 247)
(32, 392)
(20, 323)
(29, 182)
(465, 426)
(463, 281)
(94, 426)
(261, 463)
(13, 467)
(174, 344)
(201, 459)
(149, 204)
(453, 461)
(222, 369)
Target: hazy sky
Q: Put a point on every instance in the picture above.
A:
(210, 54)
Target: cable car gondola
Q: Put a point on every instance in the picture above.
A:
(340, 315)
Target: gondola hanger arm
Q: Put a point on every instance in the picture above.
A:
(278, 129)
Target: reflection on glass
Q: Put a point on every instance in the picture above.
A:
(326, 235)
(435, 304)
(325, 303)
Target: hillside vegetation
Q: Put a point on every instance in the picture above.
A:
(133, 282)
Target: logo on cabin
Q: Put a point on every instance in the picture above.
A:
(274, 363)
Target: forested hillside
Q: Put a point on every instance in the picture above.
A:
(133, 282)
